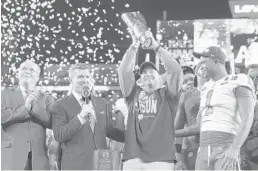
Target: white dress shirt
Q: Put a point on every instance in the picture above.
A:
(24, 93)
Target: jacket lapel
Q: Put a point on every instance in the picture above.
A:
(74, 104)
(96, 106)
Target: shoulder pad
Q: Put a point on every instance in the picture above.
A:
(241, 80)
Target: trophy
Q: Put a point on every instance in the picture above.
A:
(136, 22)
(107, 160)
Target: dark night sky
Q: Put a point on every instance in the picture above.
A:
(55, 34)
(182, 9)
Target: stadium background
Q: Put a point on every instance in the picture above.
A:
(57, 34)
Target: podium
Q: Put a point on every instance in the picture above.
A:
(107, 159)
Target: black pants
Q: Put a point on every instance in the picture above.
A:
(28, 165)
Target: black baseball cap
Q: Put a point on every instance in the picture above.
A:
(212, 52)
(147, 64)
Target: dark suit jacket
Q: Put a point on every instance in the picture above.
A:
(23, 130)
(78, 140)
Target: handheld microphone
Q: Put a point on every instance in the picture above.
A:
(86, 94)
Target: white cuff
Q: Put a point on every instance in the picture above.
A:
(83, 121)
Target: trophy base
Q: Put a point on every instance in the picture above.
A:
(107, 160)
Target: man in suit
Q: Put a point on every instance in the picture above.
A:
(80, 121)
(24, 119)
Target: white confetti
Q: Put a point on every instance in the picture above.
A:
(56, 38)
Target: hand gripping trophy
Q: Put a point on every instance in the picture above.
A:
(136, 22)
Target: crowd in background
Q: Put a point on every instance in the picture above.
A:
(27, 35)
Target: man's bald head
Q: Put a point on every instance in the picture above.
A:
(28, 74)
(32, 64)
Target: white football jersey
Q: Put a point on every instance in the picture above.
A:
(218, 103)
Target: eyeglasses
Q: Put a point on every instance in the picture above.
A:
(31, 70)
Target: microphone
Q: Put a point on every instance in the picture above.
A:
(86, 94)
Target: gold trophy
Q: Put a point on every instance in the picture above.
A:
(136, 22)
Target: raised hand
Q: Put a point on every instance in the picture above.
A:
(34, 94)
(154, 43)
(28, 102)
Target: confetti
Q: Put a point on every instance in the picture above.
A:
(57, 34)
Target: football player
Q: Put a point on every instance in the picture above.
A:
(151, 110)
(226, 110)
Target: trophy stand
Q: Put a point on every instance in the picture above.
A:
(106, 159)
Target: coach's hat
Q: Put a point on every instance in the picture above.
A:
(147, 64)
(212, 52)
